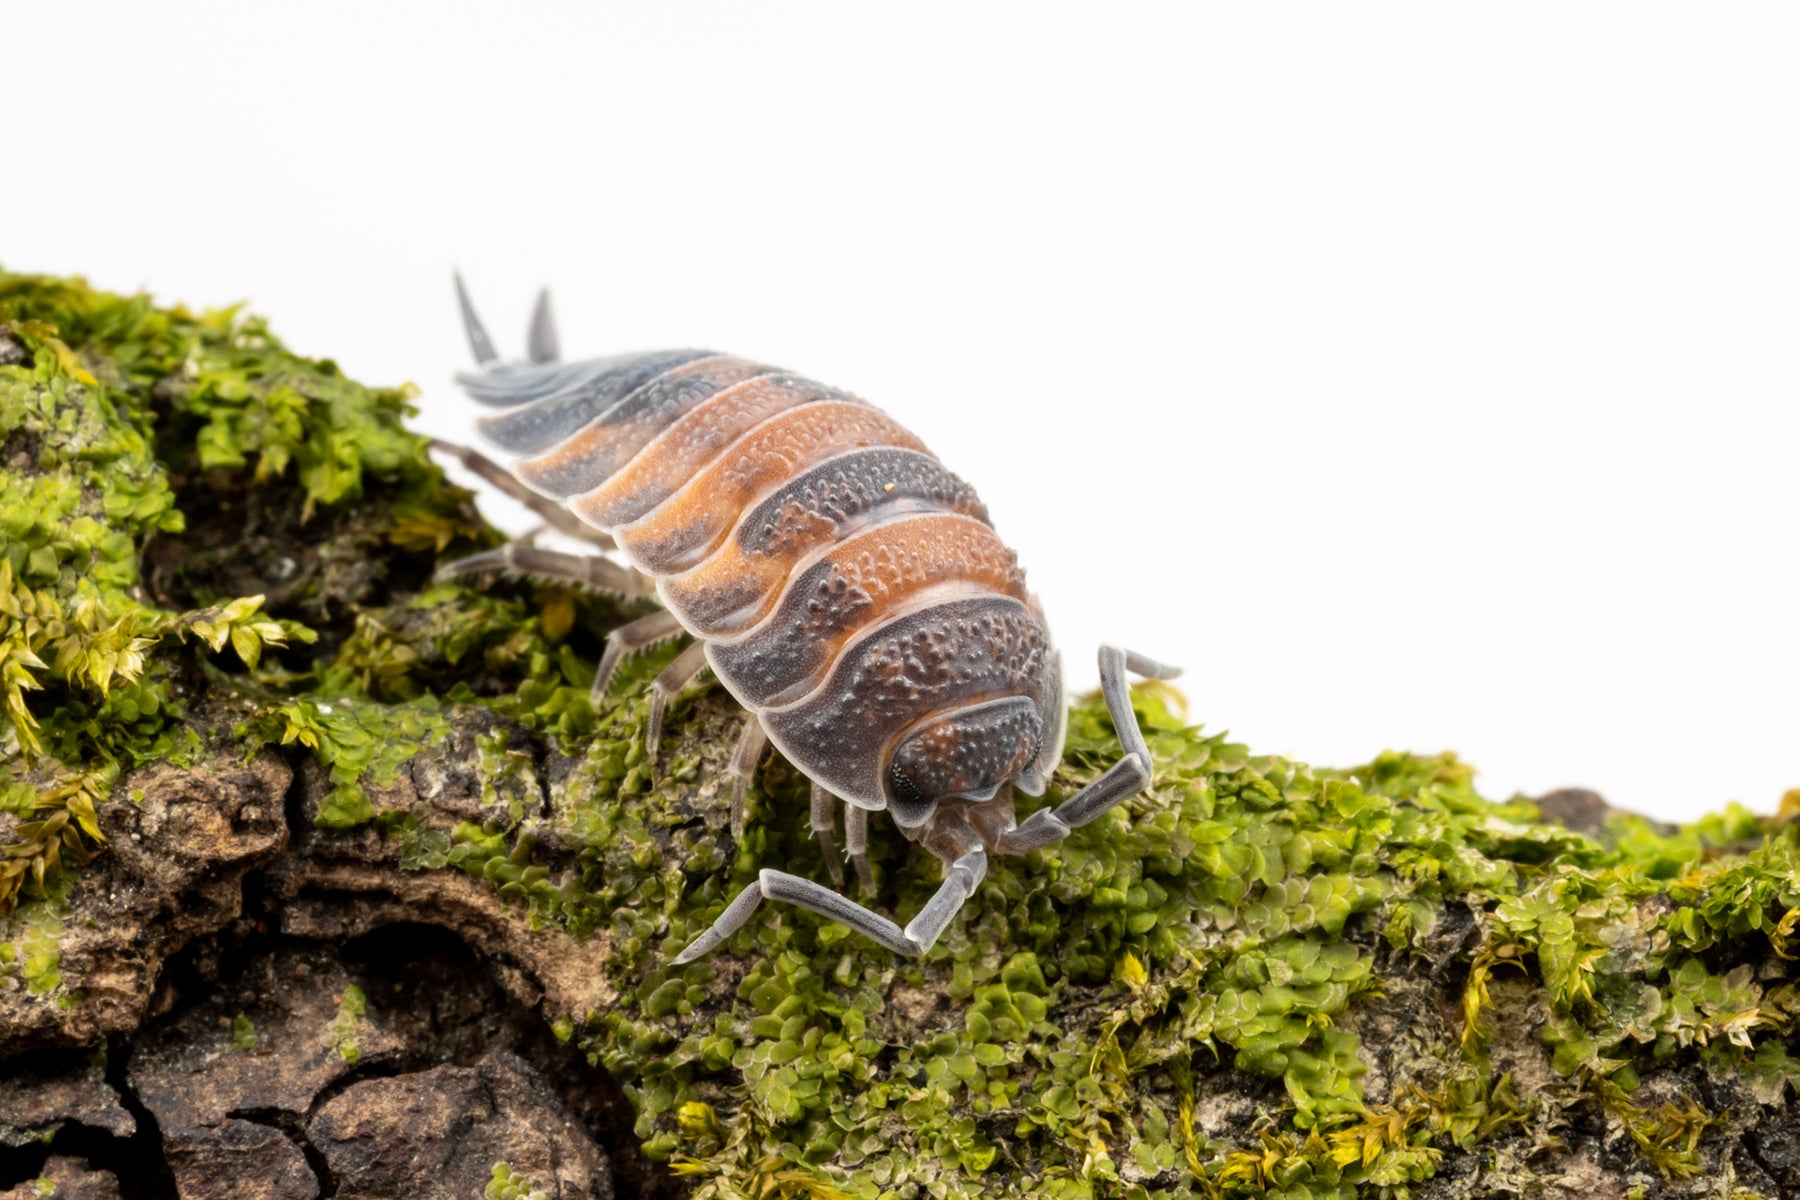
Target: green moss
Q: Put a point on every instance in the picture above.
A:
(344, 1033)
(1084, 1029)
(506, 1183)
(1224, 919)
(355, 739)
(243, 1034)
(38, 951)
(110, 411)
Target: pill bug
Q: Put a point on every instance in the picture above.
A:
(840, 582)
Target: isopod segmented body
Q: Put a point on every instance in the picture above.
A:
(841, 583)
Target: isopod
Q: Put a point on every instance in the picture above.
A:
(842, 584)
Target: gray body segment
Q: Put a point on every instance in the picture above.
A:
(536, 424)
(693, 441)
(513, 384)
(784, 656)
(615, 437)
(837, 496)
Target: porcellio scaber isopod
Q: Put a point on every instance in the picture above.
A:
(844, 586)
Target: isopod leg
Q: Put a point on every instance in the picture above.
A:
(677, 675)
(1125, 778)
(744, 758)
(628, 639)
(549, 511)
(591, 571)
(856, 845)
(961, 879)
(824, 827)
(919, 936)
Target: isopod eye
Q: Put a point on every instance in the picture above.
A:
(909, 806)
(905, 790)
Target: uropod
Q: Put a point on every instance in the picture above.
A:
(843, 585)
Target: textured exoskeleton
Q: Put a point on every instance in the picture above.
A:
(842, 584)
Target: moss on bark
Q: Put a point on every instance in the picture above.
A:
(1259, 978)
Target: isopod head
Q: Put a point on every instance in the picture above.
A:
(963, 754)
(967, 754)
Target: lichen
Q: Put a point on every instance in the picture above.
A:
(1178, 1001)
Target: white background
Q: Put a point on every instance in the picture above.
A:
(1418, 376)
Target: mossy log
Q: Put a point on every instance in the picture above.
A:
(320, 878)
